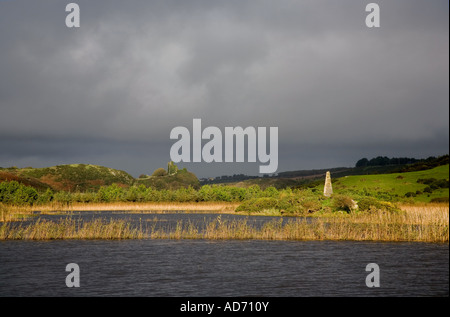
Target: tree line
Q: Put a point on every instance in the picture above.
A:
(384, 160)
(414, 164)
(16, 193)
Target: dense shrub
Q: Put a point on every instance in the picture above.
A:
(46, 197)
(159, 172)
(310, 206)
(253, 191)
(271, 192)
(258, 204)
(440, 200)
(441, 183)
(372, 204)
(287, 202)
(426, 181)
(427, 190)
(17, 194)
(434, 183)
(344, 203)
(110, 193)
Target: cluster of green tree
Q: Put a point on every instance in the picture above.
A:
(384, 160)
(15, 193)
(426, 164)
(228, 179)
(313, 173)
(176, 179)
(432, 183)
(286, 201)
(411, 164)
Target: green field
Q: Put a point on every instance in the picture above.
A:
(397, 186)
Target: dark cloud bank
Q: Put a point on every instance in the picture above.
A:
(110, 92)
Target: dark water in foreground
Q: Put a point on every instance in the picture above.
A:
(222, 268)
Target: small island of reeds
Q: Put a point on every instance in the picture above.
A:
(425, 223)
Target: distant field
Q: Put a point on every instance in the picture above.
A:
(396, 184)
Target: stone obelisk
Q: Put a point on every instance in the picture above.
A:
(328, 190)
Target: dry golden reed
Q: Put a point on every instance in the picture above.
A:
(333, 228)
(222, 207)
(425, 223)
(70, 229)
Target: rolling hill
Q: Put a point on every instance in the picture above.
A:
(73, 177)
(87, 177)
(182, 178)
(7, 176)
(420, 185)
(424, 185)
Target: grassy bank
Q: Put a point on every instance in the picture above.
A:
(425, 223)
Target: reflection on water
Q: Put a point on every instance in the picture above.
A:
(220, 268)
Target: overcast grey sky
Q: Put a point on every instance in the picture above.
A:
(110, 92)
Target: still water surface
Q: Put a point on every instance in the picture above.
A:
(221, 268)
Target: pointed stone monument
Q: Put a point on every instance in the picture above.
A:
(328, 190)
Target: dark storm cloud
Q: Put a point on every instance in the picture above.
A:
(134, 70)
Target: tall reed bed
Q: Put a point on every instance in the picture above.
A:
(426, 223)
(373, 228)
(56, 207)
(70, 229)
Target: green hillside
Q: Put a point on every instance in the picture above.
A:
(182, 178)
(87, 177)
(73, 177)
(423, 186)
(314, 177)
(7, 176)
